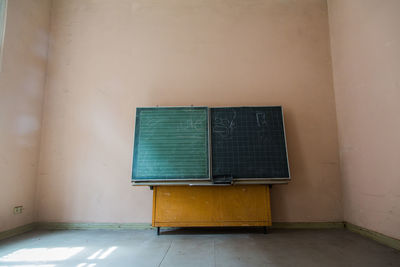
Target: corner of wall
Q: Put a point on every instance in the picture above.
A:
(37, 176)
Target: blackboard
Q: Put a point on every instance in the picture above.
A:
(248, 143)
(171, 143)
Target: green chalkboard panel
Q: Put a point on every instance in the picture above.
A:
(171, 143)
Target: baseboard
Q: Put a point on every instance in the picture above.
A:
(116, 226)
(88, 226)
(381, 238)
(378, 237)
(307, 225)
(17, 230)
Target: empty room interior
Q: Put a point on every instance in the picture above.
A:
(199, 133)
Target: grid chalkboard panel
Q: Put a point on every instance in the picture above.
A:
(171, 144)
(248, 142)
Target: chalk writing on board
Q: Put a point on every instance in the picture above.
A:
(191, 124)
(262, 133)
(223, 126)
(261, 119)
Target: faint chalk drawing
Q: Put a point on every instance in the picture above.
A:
(262, 123)
(261, 119)
(224, 126)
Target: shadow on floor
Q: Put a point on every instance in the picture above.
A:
(211, 230)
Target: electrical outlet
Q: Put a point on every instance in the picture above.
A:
(18, 209)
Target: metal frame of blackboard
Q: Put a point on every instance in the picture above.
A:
(208, 181)
(151, 181)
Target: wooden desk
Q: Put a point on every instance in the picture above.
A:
(196, 206)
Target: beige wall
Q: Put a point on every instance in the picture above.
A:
(365, 38)
(108, 57)
(21, 93)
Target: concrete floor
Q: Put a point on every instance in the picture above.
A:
(195, 247)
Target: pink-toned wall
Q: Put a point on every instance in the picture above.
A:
(365, 39)
(22, 78)
(108, 57)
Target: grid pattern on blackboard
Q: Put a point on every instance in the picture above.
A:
(171, 143)
(248, 142)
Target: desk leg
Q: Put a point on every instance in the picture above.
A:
(265, 230)
(158, 230)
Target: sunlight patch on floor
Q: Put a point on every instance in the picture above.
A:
(40, 265)
(50, 255)
(41, 254)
